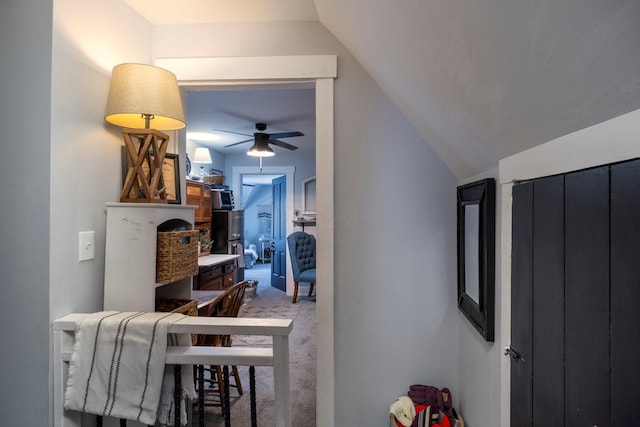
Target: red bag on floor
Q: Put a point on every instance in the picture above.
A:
(422, 415)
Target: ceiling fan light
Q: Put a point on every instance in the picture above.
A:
(260, 150)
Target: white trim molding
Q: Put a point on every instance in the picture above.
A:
(320, 70)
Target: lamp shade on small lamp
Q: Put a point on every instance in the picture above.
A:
(201, 156)
(140, 93)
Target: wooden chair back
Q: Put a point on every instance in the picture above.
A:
(226, 304)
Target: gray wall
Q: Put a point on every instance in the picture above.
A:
(480, 378)
(25, 90)
(85, 151)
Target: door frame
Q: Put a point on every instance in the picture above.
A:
(289, 172)
(319, 70)
(608, 142)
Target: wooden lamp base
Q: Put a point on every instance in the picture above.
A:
(144, 182)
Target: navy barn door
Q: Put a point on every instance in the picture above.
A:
(576, 298)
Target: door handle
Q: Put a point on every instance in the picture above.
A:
(511, 352)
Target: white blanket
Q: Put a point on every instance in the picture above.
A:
(252, 253)
(118, 365)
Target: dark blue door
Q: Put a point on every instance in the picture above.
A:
(279, 241)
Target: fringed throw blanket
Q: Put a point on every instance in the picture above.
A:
(118, 366)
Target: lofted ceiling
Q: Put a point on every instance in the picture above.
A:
(479, 80)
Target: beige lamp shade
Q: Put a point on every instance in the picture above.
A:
(139, 90)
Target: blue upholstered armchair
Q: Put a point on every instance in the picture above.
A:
(302, 250)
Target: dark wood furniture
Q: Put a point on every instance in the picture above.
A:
(198, 194)
(215, 272)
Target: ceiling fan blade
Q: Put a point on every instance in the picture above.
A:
(282, 144)
(230, 131)
(240, 116)
(285, 134)
(238, 143)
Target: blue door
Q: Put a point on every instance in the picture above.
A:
(279, 239)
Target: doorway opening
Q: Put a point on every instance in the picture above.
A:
(319, 70)
(237, 178)
(257, 203)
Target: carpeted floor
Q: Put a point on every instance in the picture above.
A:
(270, 302)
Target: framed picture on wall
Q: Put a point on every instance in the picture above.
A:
(309, 196)
(170, 175)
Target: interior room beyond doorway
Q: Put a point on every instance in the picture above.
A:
(322, 70)
(257, 202)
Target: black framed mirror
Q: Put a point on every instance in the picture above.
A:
(476, 254)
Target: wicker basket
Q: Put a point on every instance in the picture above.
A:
(213, 179)
(177, 255)
(188, 307)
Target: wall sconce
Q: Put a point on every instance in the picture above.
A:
(201, 156)
(142, 95)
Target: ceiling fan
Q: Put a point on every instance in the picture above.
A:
(262, 139)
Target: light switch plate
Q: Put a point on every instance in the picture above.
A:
(86, 245)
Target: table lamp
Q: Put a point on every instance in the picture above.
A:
(201, 156)
(140, 97)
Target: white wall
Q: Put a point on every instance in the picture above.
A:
(608, 142)
(396, 316)
(395, 312)
(25, 90)
(89, 39)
